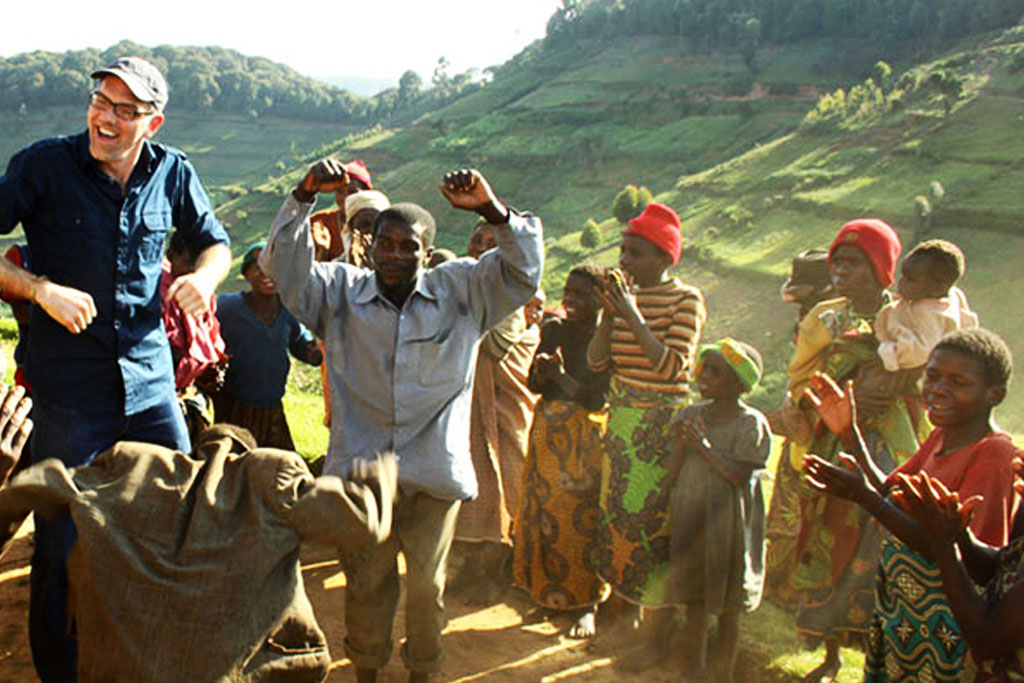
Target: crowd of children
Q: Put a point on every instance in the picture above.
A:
(603, 480)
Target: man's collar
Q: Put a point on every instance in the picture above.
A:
(367, 290)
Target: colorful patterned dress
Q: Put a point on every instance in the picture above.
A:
(1009, 574)
(635, 528)
(837, 547)
(914, 636)
(556, 532)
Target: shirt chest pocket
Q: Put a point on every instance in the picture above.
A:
(152, 233)
(440, 353)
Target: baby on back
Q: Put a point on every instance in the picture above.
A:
(929, 307)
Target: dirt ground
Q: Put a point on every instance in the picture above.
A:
(492, 644)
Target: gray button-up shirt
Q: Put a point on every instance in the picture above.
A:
(401, 379)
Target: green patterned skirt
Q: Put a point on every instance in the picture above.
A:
(635, 530)
(914, 636)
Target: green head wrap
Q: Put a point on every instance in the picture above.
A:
(743, 358)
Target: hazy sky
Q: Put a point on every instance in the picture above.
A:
(378, 38)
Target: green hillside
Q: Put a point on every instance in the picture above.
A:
(560, 131)
(762, 176)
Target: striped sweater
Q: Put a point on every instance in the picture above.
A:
(675, 313)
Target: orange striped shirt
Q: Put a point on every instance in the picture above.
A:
(675, 313)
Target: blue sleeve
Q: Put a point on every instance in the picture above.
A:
(193, 212)
(18, 192)
(299, 338)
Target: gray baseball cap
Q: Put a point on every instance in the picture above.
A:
(142, 78)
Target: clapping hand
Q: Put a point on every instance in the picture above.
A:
(548, 366)
(837, 408)
(845, 482)
(613, 292)
(939, 511)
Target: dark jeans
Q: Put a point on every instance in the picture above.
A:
(75, 438)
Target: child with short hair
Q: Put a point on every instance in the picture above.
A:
(259, 332)
(717, 507)
(930, 306)
(914, 634)
(557, 525)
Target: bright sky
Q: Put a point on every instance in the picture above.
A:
(377, 38)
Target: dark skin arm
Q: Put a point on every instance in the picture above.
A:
(617, 300)
(468, 189)
(849, 483)
(548, 368)
(694, 435)
(945, 519)
(991, 630)
(838, 411)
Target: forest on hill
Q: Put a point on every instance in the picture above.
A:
(221, 81)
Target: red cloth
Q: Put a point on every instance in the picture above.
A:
(877, 240)
(660, 226)
(195, 341)
(985, 467)
(357, 169)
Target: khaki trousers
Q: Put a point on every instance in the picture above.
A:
(422, 530)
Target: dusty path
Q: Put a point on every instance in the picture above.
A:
(492, 644)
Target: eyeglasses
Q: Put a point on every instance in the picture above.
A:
(122, 110)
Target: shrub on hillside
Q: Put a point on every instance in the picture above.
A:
(630, 202)
(591, 236)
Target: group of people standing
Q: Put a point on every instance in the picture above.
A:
(568, 446)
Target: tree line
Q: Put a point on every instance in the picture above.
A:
(890, 26)
(219, 80)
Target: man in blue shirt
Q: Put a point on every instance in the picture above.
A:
(401, 347)
(96, 208)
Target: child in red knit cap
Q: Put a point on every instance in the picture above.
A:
(647, 339)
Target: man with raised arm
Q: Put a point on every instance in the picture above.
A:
(96, 208)
(401, 345)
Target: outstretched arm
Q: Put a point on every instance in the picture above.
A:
(848, 482)
(288, 256)
(838, 410)
(502, 281)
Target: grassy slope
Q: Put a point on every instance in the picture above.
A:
(793, 193)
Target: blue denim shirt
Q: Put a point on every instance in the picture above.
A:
(401, 378)
(84, 234)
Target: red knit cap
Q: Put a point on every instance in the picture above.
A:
(660, 226)
(877, 240)
(357, 169)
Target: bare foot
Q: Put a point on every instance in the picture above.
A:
(585, 626)
(825, 672)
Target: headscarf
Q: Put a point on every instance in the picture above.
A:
(357, 169)
(743, 358)
(364, 199)
(659, 225)
(877, 240)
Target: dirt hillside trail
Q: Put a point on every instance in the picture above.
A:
(489, 644)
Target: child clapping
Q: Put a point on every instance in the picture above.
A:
(717, 505)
